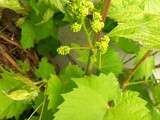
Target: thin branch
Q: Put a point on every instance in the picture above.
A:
(133, 71)
(105, 11)
(104, 14)
(89, 63)
(9, 58)
(138, 82)
(9, 41)
(43, 107)
(128, 60)
(34, 112)
(87, 34)
(150, 93)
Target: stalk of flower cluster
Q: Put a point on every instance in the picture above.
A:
(104, 14)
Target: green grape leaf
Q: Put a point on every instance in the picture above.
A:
(11, 105)
(47, 46)
(109, 25)
(152, 6)
(135, 23)
(155, 113)
(11, 4)
(54, 4)
(43, 30)
(127, 45)
(53, 91)
(106, 86)
(34, 6)
(82, 104)
(20, 95)
(28, 35)
(38, 25)
(111, 62)
(124, 11)
(10, 108)
(47, 15)
(145, 31)
(45, 69)
(11, 80)
(146, 69)
(130, 107)
(91, 101)
(58, 4)
(69, 72)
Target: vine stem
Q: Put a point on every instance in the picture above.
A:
(34, 111)
(88, 38)
(87, 33)
(130, 59)
(150, 92)
(80, 48)
(105, 11)
(100, 61)
(133, 71)
(138, 82)
(104, 14)
(43, 107)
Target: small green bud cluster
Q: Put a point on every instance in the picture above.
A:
(102, 45)
(64, 50)
(79, 8)
(89, 5)
(85, 7)
(97, 23)
(76, 27)
(97, 16)
(83, 11)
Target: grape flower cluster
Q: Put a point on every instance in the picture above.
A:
(97, 23)
(64, 50)
(79, 10)
(102, 45)
(76, 27)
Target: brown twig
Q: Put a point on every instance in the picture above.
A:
(9, 58)
(9, 41)
(133, 71)
(130, 59)
(104, 14)
(105, 11)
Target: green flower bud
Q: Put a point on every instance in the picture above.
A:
(76, 27)
(97, 16)
(97, 26)
(89, 5)
(105, 38)
(80, 8)
(83, 10)
(102, 45)
(64, 50)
